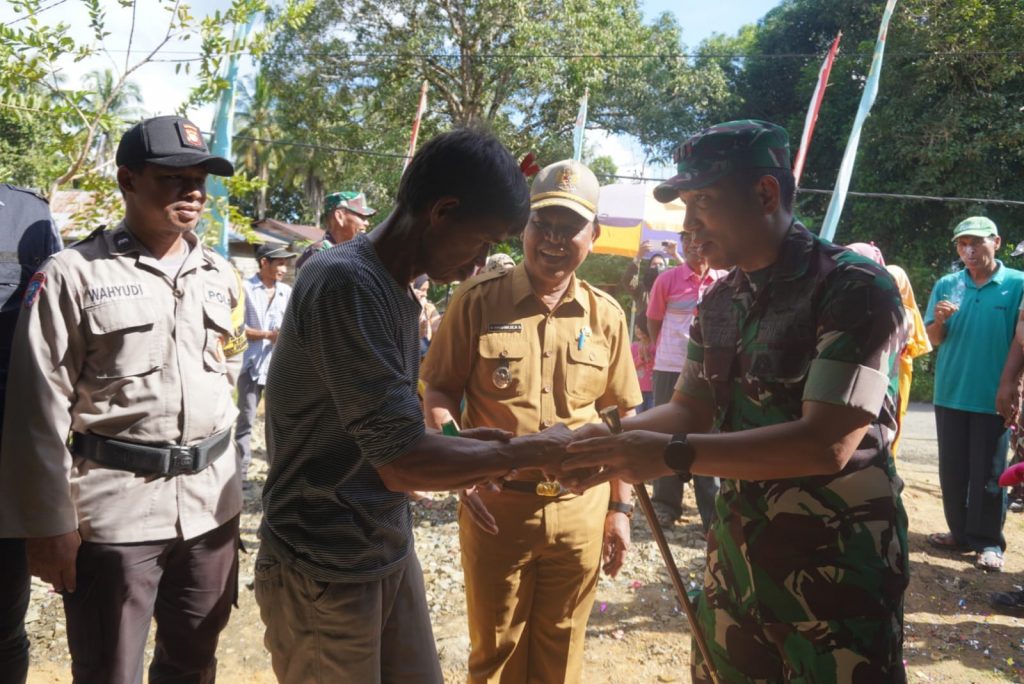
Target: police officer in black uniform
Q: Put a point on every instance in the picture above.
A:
(27, 237)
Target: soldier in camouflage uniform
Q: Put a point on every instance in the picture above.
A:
(792, 357)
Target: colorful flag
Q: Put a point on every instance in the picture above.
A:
(416, 125)
(835, 207)
(581, 124)
(223, 131)
(812, 111)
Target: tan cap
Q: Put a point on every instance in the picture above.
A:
(567, 184)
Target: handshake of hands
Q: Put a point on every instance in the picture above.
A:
(583, 458)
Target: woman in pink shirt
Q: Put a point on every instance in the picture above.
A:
(643, 359)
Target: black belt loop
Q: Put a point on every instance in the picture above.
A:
(145, 459)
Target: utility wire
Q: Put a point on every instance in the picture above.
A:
(618, 56)
(815, 191)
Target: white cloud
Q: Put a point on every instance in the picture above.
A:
(626, 152)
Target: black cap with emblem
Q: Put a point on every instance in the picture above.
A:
(169, 141)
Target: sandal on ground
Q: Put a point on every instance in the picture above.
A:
(990, 560)
(945, 540)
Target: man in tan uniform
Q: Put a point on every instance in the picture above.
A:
(529, 348)
(128, 343)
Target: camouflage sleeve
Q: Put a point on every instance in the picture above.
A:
(692, 381)
(859, 337)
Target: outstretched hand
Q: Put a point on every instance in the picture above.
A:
(633, 457)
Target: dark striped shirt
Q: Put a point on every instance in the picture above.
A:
(341, 402)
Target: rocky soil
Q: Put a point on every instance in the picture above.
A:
(636, 632)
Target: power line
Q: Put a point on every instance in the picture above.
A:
(920, 198)
(313, 146)
(815, 191)
(644, 56)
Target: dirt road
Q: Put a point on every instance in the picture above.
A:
(636, 633)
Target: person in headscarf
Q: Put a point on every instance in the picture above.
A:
(917, 338)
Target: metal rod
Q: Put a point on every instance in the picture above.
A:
(610, 416)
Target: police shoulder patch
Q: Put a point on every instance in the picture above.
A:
(32, 290)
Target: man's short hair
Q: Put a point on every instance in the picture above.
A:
(472, 166)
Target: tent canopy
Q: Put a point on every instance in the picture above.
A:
(629, 215)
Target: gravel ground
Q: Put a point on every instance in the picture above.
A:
(636, 632)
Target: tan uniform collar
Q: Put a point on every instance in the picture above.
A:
(522, 289)
(122, 242)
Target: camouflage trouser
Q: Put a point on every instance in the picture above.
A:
(833, 652)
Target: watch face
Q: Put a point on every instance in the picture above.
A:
(679, 455)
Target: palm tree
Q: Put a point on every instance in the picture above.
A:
(123, 108)
(257, 125)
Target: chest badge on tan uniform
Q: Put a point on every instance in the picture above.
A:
(502, 376)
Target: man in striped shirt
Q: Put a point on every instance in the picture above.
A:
(337, 579)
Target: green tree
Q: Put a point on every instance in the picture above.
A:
(32, 51)
(350, 79)
(256, 124)
(101, 86)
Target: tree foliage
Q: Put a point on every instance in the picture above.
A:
(58, 135)
(947, 121)
(349, 81)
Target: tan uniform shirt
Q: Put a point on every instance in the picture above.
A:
(112, 346)
(495, 322)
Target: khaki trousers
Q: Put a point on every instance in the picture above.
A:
(530, 589)
(339, 633)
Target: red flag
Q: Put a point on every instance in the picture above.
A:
(812, 112)
(528, 166)
(416, 124)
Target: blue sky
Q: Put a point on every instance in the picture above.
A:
(701, 18)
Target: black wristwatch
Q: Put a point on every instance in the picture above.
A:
(620, 507)
(679, 455)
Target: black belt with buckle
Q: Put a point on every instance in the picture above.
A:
(542, 488)
(146, 459)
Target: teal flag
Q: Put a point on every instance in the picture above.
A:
(223, 126)
(867, 99)
(581, 124)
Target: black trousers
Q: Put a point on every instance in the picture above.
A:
(188, 586)
(972, 454)
(14, 592)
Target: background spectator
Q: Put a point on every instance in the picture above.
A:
(643, 359)
(672, 306)
(971, 320)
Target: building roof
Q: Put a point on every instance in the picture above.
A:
(288, 232)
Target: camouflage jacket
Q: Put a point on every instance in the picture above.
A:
(820, 324)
